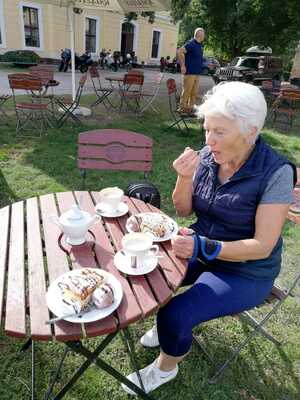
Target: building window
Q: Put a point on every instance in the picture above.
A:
(155, 44)
(31, 26)
(91, 35)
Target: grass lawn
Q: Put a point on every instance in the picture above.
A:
(32, 166)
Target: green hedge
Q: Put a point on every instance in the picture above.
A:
(20, 56)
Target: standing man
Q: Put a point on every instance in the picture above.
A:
(190, 59)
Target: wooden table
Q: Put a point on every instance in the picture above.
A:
(29, 242)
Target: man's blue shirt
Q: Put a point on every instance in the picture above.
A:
(193, 57)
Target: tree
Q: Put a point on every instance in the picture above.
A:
(234, 25)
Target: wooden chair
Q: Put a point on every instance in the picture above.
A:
(68, 105)
(134, 71)
(272, 303)
(114, 149)
(29, 114)
(287, 105)
(102, 92)
(179, 117)
(131, 92)
(46, 73)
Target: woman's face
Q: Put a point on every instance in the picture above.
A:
(225, 139)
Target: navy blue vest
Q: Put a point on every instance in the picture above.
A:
(227, 212)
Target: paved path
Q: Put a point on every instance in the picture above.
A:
(64, 78)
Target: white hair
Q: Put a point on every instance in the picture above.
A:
(198, 30)
(238, 101)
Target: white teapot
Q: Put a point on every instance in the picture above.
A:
(75, 223)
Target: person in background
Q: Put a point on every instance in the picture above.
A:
(240, 191)
(102, 58)
(190, 58)
(162, 64)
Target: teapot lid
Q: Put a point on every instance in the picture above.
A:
(74, 214)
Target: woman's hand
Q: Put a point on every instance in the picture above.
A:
(183, 246)
(186, 164)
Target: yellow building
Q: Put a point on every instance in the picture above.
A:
(44, 28)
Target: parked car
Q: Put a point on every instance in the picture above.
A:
(210, 64)
(254, 67)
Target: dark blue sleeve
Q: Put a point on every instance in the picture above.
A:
(188, 46)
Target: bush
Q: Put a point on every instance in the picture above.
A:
(20, 56)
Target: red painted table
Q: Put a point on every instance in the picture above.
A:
(31, 258)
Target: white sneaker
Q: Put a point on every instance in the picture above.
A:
(151, 378)
(150, 339)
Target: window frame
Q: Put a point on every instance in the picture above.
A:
(97, 44)
(40, 25)
(159, 44)
(2, 26)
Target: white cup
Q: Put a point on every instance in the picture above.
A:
(139, 246)
(111, 197)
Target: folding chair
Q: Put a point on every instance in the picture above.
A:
(102, 92)
(69, 106)
(114, 149)
(178, 116)
(131, 92)
(149, 97)
(287, 105)
(274, 301)
(34, 114)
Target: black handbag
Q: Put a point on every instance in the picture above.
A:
(145, 191)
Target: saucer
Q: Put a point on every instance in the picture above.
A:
(102, 210)
(122, 262)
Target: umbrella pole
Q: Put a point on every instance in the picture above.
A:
(71, 22)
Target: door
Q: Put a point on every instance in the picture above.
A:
(127, 38)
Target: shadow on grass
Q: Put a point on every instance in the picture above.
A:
(259, 365)
(7, 196)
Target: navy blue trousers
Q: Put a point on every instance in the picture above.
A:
(213, 295)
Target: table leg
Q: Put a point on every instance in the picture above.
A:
(32, 371)
(30, 343)
(128, 342)
(55, 375)
(76, 347)
(80, 349)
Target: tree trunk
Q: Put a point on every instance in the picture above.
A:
(295, 73)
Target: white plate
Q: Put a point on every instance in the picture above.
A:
(170, 226)
(102, 210)
(122, 262)
(59, 308)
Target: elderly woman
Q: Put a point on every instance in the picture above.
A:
(240, 190)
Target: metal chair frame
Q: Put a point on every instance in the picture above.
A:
(178, 116)
(69, 106)
(258, 327)
(151, 96)
(131, 91)
(288, 105)
(102, 92)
